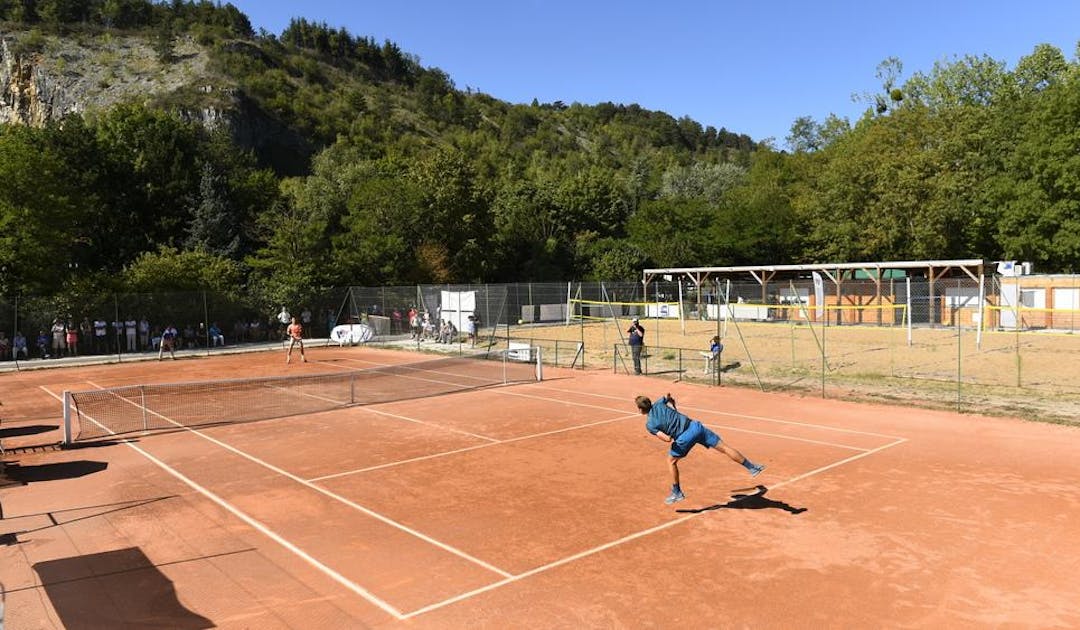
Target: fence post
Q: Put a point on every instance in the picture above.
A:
(206, 322)
(959, 353)
(116, 320)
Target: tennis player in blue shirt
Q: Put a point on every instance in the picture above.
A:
(666, 423)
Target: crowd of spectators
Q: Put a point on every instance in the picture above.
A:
(67, 337)
(70, 337)
(422, 327)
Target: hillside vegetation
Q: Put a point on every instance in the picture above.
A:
(189, 147)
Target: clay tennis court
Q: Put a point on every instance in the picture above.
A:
(535, 505)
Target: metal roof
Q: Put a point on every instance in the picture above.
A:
(902, 264)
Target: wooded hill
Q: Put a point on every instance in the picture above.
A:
(211, 156)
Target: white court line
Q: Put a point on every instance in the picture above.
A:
(718, 426)
(393, 415)
(711, 425)
(258, 526)
(470, 448)
(736, 415)
(699, 409)
(494, 442)
(325, 492)
(624, 539)
(513, 578)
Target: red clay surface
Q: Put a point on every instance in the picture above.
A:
(536, 505)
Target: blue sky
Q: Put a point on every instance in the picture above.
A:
(750, 67)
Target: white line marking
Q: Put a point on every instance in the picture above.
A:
(736, 415)
(625, 539)
(266, 531)
(508, 578)
(431, 424)
(328, 493)
(392, 415)
(716, 426)
(724, 413)
(470, 448)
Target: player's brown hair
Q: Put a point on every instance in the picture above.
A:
(643, 403)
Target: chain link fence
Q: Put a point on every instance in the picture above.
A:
(1008, 346)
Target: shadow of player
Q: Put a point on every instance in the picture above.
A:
(755, 501)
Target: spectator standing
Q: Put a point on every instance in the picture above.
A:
(144, 333)
(636, 340)
(414, 323)
(283, 318)
(59, 342)
(118, 332)
(131, 331)
(5, 346)
(429, 326)
(86, 334)
(305, 319)
(101, 342)
(470, 329)
(71, 336)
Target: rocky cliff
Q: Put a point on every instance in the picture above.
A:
(44, 78)
(28, 94)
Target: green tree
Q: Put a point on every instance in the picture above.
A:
(457, 215)
(675, 232)
(214, 226)
(183, 271)
(156, 156)
(1037, 191)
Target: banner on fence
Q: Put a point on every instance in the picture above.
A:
(819, 295)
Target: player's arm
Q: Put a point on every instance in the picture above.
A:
(663, 437)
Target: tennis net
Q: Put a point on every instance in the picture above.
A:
(112, 411)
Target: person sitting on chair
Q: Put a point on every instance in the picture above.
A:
(716, 348)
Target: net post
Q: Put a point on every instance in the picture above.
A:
(539, 363)
(352, 388)
(67, 417)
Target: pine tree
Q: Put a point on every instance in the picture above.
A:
(213, 228)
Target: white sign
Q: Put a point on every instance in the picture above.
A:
(352, 334)
(819, 295)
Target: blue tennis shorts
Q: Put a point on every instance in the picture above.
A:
(696, 433)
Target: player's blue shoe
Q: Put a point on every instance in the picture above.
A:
(756, 469)
(674, 497)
